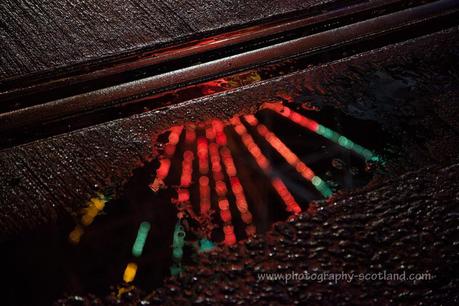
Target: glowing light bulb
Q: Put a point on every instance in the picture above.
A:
(203, 155)
(130, 272)
(204, 195)
(322, 130)
(178, 242)
(142, 235)
(187, 168)
(165, 163)
(265, 165)
(291, 158)
(75, 235)
(190, 134)
(205, 245)
(220, 185)
(286, 196)
(94, 206)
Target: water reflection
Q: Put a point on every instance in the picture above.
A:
(215, 182)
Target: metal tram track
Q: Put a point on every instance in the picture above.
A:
(360, 28)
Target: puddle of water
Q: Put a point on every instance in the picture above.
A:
(213, 183)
